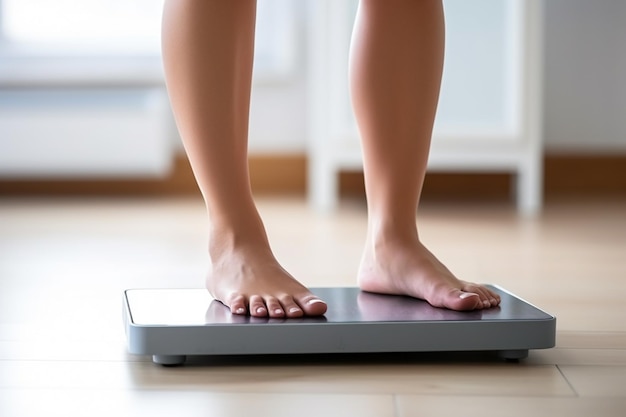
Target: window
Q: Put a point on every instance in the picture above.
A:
(126, 29)
(83, 26)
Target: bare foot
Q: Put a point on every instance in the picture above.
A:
(249, 280)
(406, 267)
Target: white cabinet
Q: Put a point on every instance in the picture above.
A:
(489, 114)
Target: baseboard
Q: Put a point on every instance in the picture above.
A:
(578, 175)
(564, 175)
(269, 174)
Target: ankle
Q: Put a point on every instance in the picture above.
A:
(384, 233)
(226, 239)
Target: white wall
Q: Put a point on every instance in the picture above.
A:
(585, 76)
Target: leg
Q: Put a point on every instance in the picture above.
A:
(208, 49)
(395, 70)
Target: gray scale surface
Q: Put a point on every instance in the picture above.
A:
(171, 324)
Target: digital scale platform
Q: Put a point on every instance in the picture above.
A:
(172, 324)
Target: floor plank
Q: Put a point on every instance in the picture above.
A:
(596, 381)
(451, 379)
(438, 406)
(63, 403)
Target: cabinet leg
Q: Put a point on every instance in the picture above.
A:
(323, 186)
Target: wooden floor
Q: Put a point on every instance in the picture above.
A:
(64, 264)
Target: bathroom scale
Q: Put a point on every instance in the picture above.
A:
(172, 324)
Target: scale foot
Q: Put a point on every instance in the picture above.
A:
(513, 355)
(169, 360)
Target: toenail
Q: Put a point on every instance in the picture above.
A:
(278, 311)
(467, 294)
(260, 310)
(486, 303)
(294, 310)
(315, 300)
(240, 310)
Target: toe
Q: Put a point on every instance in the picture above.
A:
(238, 305)
(274, 307)
(257, 306)
(488, 297)
(482, 293)
(311, 305)
(463, 301)
(494, 298)
(291, 308)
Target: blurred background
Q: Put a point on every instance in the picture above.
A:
(83, 109)
(526, 189)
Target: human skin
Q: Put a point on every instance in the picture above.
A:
(395, 71)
